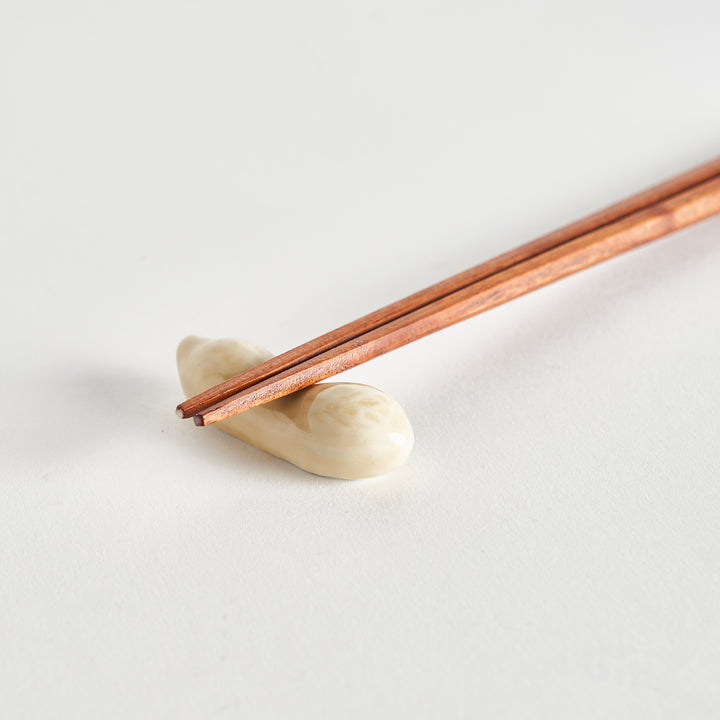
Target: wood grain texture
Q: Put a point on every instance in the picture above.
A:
(516, 273)
(203, 401)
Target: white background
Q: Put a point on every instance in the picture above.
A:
(271, 170)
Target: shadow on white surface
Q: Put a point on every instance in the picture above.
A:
(99, 417)
(600, 301)
(615, 362)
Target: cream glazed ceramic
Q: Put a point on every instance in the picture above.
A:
(341, 430)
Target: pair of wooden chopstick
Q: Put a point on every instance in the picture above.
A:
(676, 203)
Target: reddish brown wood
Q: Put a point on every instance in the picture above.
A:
(555, 262)
(300, 354)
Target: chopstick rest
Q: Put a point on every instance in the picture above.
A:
(341, 430)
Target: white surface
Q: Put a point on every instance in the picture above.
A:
(272, 170)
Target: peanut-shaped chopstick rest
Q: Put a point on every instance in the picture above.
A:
(341, 430)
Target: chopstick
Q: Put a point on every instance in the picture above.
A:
(678, 202)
